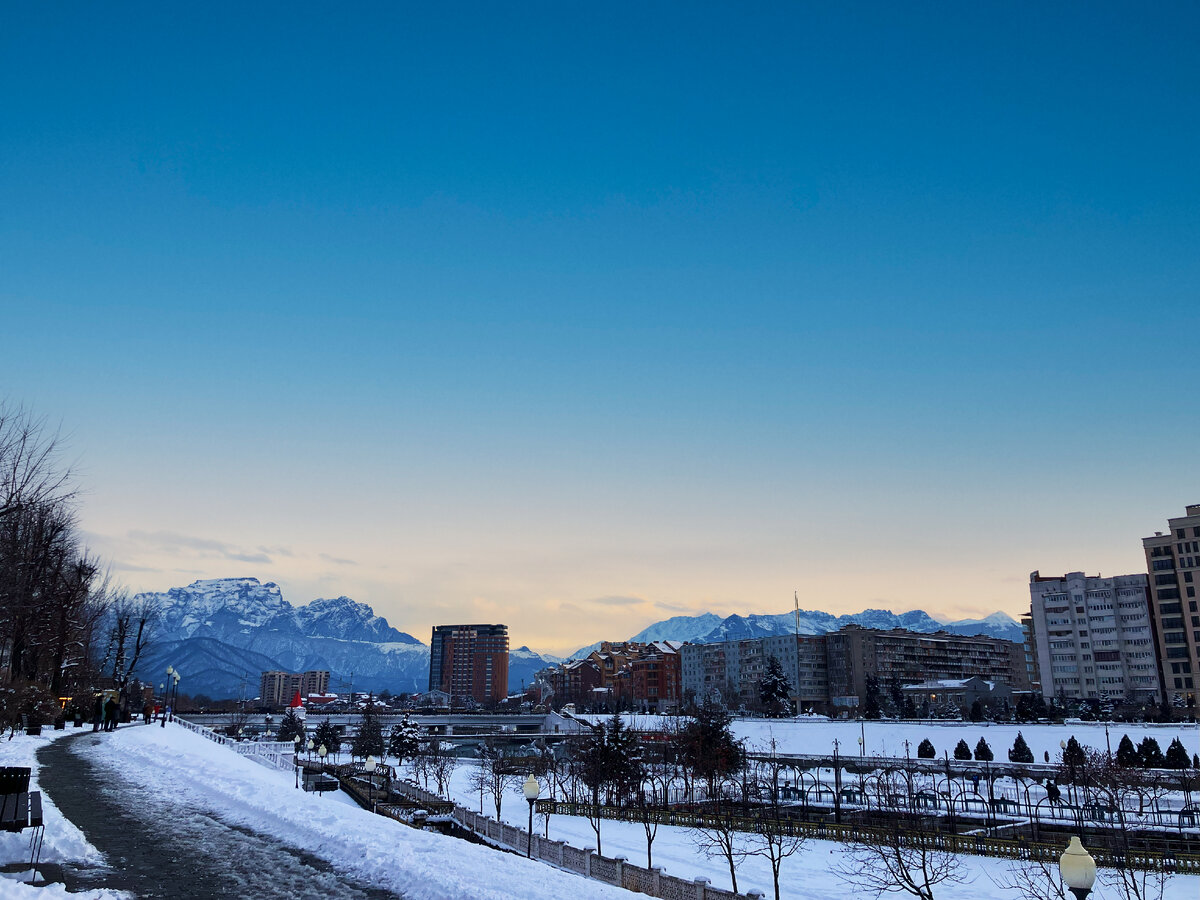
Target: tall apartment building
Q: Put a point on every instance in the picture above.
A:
(470, 661)
(912, 657)
(1029, 645)
(1173, 563)
(278, 688)
(1095, 637)
(733, 669)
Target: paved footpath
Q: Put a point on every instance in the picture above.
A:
(158, 846)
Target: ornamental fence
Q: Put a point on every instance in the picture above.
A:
(586, 862)
(975, 844)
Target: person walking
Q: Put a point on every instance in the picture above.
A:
(110, 715)
(98, 712)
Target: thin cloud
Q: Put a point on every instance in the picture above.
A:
(616, 601)
(674, 607)
(130, 567)
(337, 560)
(172, 541)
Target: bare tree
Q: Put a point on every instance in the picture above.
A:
(890, 860)
(717, 835)
(1142, 879)
(1033, 879)
(776, 838)
(498, 774)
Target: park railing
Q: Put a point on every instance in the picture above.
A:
(276, 754)
(617, 871)
(975, 844)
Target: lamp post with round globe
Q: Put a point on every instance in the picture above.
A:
(531, 790)
(167, 695)
(1078, 869)
(369, 767)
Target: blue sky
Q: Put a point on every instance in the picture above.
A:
(576, 317)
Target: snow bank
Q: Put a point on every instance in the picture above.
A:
(63, 843)
(373, 849)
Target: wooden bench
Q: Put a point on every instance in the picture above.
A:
(21, 808)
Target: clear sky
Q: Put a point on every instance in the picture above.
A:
(576, 316)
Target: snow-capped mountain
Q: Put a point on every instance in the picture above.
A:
(708, 628)
(223, 633)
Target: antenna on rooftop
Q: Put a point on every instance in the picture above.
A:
(796, 600)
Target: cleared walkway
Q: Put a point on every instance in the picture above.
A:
(158, 846)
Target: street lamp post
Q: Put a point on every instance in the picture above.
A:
(837, 784)
(321, 751)
(175, 676)
(1078, 869)
(369, 768)
(532, 790)
(296, 759)
(167, 696)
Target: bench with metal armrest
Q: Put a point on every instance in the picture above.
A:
(21, 808)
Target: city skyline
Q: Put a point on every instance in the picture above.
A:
(579, 319)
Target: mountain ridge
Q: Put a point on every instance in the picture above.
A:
(709, 628)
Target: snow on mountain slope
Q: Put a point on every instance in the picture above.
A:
(708, 628)
(223, 633)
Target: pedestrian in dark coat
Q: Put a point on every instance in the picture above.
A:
(97, 713)
(110, 715)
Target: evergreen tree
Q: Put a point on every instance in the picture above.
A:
(707, 745)
(404, 740)
(773, 689)
(871, 708)
(1073, 756)
(1177, 757)
(290, 726)
(1150, 755)
(368, 739)
(983, 753)
(625, 768)
(925, 750)
(961, 750)
(327, 736)
(976, 711)
(1020, 751)
(1127, 755)
(896, 695)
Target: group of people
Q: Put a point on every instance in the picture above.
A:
(105, 714)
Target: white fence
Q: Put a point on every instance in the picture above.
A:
(276, 754)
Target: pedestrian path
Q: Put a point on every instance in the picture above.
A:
(156, 845)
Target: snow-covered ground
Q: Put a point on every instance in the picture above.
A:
(63, 843)
(374, 850)
(809, 875)
(816, 735)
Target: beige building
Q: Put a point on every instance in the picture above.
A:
(1094, 637)
(278, 688)
(1173, 563)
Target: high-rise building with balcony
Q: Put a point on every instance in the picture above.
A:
(1173, 564)
(1094, 637)
(470, 661)
(908, 657)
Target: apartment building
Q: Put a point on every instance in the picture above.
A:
(1095, 637)
(278, 688)
(470, 661)
(853, 653)
(732, 670)
(1173, 564)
